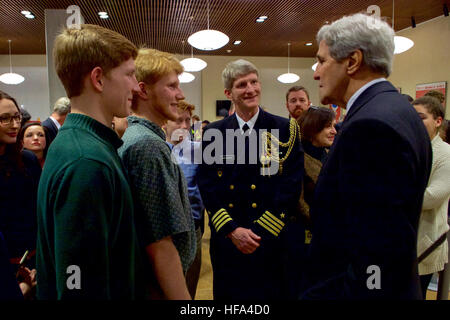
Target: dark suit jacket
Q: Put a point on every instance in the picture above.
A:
(368, 201)
(237, 195)
(52, 130)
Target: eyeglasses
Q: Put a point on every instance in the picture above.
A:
(7, 120)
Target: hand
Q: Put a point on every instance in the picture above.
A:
(245, 240)
(27, 280)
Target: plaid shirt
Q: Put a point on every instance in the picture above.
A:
(159, 188)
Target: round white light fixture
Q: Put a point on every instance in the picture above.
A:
(11, 78)
(186, 77)
(25, 12)
(308, 44)
(29, 16)
(288, 78)
(208, 40)
(260, 20)
(402, 44)
(193, 64)
(314, 66)
(237, 42)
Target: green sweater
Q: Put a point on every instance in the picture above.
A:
(86, 218)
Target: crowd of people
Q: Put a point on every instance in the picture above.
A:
(106, 199)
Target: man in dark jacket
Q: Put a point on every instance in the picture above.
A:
(249, 187)
(368, 197)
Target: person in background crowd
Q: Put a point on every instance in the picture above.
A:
(445, 130)
(248, 203)
(195, 128)
(177, 137)
(408, 97)
(297, 101)
(53, 123)
(33, 138)
(19, 177)
(369, 194)
(26, 116)
(436, 94)
(317, 135)
(87, 245)
(433, 224)
(160, 189)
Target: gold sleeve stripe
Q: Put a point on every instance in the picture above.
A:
(219, 221)
(271, 225)
(218, 214)
(275, 218)
(223, 223)
(269, 219)
(267, 228)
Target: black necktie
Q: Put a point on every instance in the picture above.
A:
(245, 127)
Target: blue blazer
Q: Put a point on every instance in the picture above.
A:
(368, 200)
(52, 130)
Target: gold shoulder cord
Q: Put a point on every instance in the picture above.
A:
(271, 143)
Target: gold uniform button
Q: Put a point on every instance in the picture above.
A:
(253, 187)
(254, 205)
(230, 205)
(231, 187)
(219, 173)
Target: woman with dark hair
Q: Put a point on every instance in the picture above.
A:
(34, 138)
(318, 132)
(19, 178)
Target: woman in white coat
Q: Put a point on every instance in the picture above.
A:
(433, 220)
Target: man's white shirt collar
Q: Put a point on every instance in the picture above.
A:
(361, 90)
(250, 123)
(55, 122)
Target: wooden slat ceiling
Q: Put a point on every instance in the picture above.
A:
(165, 24)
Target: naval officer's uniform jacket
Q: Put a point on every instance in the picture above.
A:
(252, 195)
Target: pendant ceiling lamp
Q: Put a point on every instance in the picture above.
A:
(288, 77)
(208, 39)
(192, 64)
(402, 44)
(186, 77)
(10, 77)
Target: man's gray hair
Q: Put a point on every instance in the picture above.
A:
(62, 106)
(236, 69)
(373, 36)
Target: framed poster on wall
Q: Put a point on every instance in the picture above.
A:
(422, 89)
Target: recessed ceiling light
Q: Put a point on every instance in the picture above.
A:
(103, 13)
(308, 44)
(237, 42)
(229, 51)
(25, 12)
(263, 17)
(104, 17)
(260, 20)
(29, 16)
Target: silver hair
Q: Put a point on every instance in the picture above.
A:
(236, 69)
(62, 106)
(373, 36)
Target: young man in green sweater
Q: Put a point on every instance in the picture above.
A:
(87, 244)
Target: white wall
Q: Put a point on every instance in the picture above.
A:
(33, 92)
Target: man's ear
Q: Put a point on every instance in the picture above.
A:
(143, 92)
(355, 61)
(227, 93)
(97, 79)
